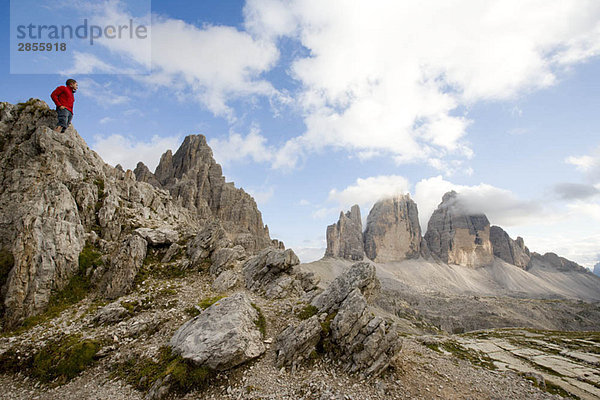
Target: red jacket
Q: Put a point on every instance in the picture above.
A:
(63, 96)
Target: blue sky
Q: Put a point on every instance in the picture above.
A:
(314, 106)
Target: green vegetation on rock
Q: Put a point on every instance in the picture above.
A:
(308, 311)
(58, 361)
(261, 322)
(142, 373)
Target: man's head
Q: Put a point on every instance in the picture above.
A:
(72, 83)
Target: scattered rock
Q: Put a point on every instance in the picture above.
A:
(110, 313)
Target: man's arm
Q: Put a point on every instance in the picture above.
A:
(55, 96)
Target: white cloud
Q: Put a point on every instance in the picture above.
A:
(365, 192)
(237, 147)
(589, 164)
(501, 206)
(385, 77)
(118, 149)
(210, 64)
(87, 63)
(105, 94)
(106, 120)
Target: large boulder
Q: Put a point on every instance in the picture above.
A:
(344, 239)
(223, 336)
(457, 236)
(393, 232)
(512, 251)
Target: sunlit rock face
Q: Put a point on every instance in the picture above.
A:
(344, 238)
(393, 232)
(457, 236)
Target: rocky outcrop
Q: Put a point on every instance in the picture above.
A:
(195, 180)
(272, 274)
(363, 341)
(393, 232)
(512, 251)
(56, 193)
(124, 266)
(158, 237)
(555, 262)
(345, 239)
(143, 174)
(223, 336)
(457, 236)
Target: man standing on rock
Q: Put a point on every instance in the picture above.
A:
(63, 98)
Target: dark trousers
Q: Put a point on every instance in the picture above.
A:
(64, 118)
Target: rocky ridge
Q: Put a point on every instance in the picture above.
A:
(196, 181)
(56, 195)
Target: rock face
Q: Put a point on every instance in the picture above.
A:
(194, 179)
(363, 341)
(458, 237)
(223, 336)
(56, 194)
(597, 269)
(393, 232)
(345, 239)
(272, 274)
(512, 251)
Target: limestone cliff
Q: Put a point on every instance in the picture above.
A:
(344, 239)
(512, 251)
(457, 236)
(393, 232)
(196, 181)
(57, 195)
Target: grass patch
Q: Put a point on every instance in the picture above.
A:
(307, 312)
(325, 346)
(261, 322)
(153, 268)
(474, 357)
(209, 301)
(143, 373)
(58, 361)
(192, 311)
